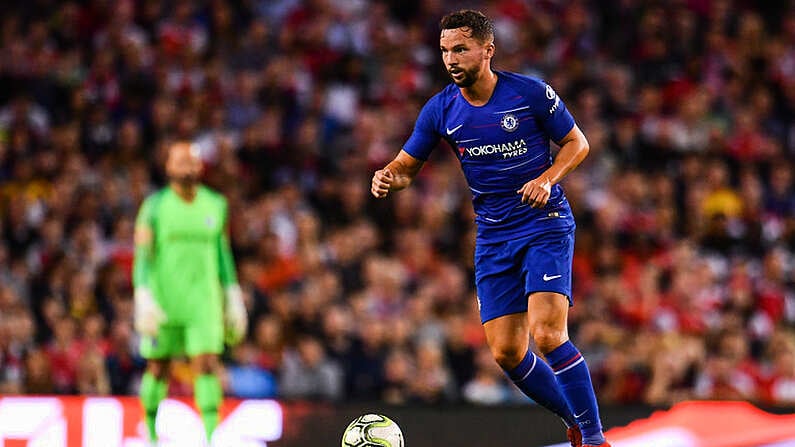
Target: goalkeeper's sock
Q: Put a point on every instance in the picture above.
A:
(534, 377)
(208, 395)
(152, 392)
(575, 382)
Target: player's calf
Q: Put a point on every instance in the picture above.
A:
(152, 391)
(574, 378)
(208, 395)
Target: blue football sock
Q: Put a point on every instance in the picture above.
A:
(575, 383)
(534, 377)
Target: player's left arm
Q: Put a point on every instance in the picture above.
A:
(574, 148)
(235, 318)
(556, 121)
(227, 274)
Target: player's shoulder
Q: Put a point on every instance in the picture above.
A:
(150, 206)
(523, 82)
(444, 97)
(154, 197)
(212, 195)
(434, 108)
(449, 91)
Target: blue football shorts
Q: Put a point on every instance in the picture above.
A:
(507, 272)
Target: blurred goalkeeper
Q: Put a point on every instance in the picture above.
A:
(187, 299)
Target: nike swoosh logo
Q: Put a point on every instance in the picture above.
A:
(550, 278)
(450, 131)
(580, 415)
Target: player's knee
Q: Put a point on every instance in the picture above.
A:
(508, 355)
(206, 364)
(547, 338)
(158, 368)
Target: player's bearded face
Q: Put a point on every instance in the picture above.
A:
(464, 57)
(183, 166)
(187, 179)
(464, 77)
(187, 174)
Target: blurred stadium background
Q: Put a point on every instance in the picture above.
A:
(685, 259)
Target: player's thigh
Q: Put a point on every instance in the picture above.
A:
(547, 263)
(205, 338)
(169, 342)
(498, 281)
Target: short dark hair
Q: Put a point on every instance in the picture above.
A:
(480, 26)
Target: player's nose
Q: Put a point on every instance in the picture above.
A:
(450, 60)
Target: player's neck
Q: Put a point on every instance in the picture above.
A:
(186, 193)
(479, 93)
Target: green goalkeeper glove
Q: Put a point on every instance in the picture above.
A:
(235, 318)
(148, 314)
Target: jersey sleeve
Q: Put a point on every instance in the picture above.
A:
(144, 243)
(226, 270)
(425, 136)
(550, 111)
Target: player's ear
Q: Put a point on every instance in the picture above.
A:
(490, 50)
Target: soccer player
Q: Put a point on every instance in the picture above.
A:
(499, 125)
(187, 299)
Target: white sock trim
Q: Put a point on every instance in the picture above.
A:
(532, 367)
(580, 360)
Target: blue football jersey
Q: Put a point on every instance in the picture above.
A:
(501, 146)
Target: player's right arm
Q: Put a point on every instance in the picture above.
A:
(144, 245)
(148, 314)
(401, 171)
(397, 175)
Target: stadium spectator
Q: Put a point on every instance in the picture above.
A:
(246, 378)
(308, 373)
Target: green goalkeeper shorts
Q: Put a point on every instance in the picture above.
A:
(178, 340)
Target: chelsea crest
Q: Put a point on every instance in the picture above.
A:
(509, 123)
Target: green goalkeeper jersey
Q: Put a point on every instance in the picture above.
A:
(183, 256)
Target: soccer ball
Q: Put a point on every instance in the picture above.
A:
(372, 430)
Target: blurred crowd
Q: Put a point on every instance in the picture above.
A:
(685, 257)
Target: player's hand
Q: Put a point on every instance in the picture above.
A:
(382, 180)
(148, 314)
(536, 192)
(235, 317)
